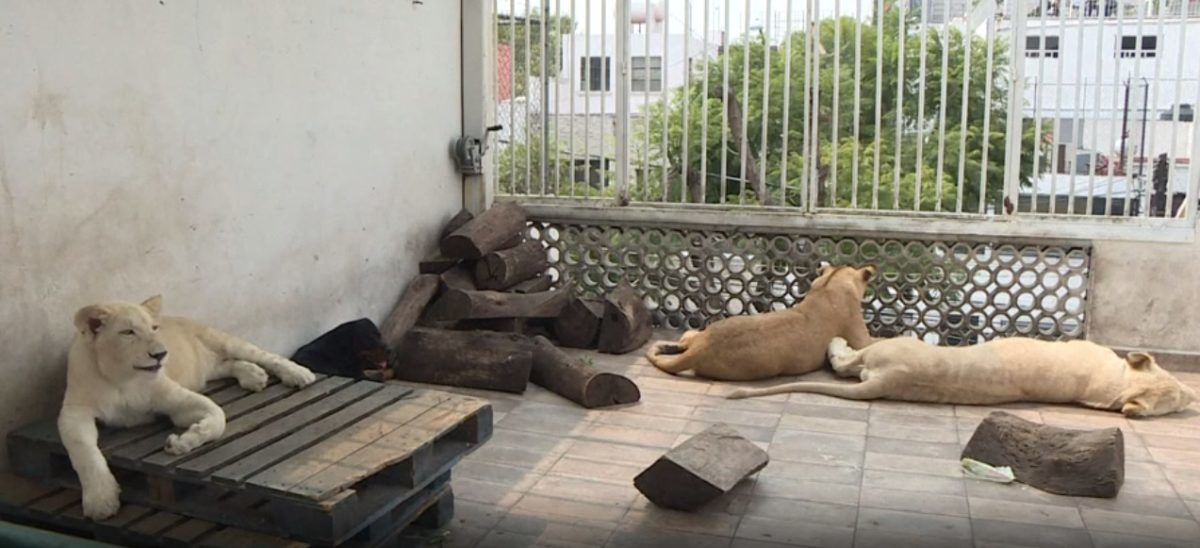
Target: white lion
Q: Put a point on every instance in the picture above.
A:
(128, 364)
(1015, 369)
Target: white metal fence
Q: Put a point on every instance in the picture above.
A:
(897, 115)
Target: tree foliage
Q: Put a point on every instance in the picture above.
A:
(524, 35)
(899, 114)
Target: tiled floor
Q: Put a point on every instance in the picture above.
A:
(842, 473)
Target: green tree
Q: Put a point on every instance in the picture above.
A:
(520, 33)
(918, 129)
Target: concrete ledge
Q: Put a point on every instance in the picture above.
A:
(1171, 360)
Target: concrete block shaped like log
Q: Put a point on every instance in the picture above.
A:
(1086, 463)
(701, 469)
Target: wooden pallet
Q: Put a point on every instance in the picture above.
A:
(58, 509)
(320, 464)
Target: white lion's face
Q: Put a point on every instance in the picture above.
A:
(1151, 390)
(124, 338)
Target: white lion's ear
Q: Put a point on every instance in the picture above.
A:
(89, 319)
(153, 304)
(1139, 360)
(824, 268)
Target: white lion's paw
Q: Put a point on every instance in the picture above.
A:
(182, 444)
(738, 394)
(102, 501)
(838, 346)
(253, 379)
(297, 376)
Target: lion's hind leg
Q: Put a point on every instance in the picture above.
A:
(668, 357)
(846, 361)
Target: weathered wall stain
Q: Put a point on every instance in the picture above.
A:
(193, 152)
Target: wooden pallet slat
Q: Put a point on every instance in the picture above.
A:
(133, 453)
(283, 475)
(138, 526)
(283, 448)
(156, 523)
(349, 459)
(17, 492)
(186, 533)
(209, 461)
(410, 444)
(250, 421)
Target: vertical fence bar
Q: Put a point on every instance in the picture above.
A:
(879, 22)
(606, 87)
(1039, 87)
(923, 82)
(787, 102)
(987, 113)
(704, 109)
(571, 91)
(1016, 92)
(744, 107)
(763, 159)
(939, 171)
(725, 103)
(1077, 110)
(645, 184)
(1055, 159)
(1138, 181)
(806, 107)
(837, 96)
(685, 167)
(622, 113)
(858, 24)
(512, 95)
(899, 106)
(1153, 156)
(1176, 99)
(558, 18)
(962, 124)
(1118, 99)
(1191, 211)
(544, 100)
(587, 101)
(1094, 155)
(663, 86)
(495, 69)
(814, 177)
(528, 99)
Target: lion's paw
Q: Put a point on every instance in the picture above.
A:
(102, 501)
(297, 376)
(181, 444)
(253, 379)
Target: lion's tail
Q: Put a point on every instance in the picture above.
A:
(668, 356)
(865, 390)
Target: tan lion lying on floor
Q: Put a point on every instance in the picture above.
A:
(129, 364)
(783, 342)
(999, 371)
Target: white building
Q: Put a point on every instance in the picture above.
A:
(1097, 77)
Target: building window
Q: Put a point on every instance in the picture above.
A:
(1131, 46)
(646, 73)
(1041, 46)
(595, 75)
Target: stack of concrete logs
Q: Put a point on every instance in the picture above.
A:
(483, 313)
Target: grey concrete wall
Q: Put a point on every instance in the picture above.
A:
(1146, 296)
(271, 167)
